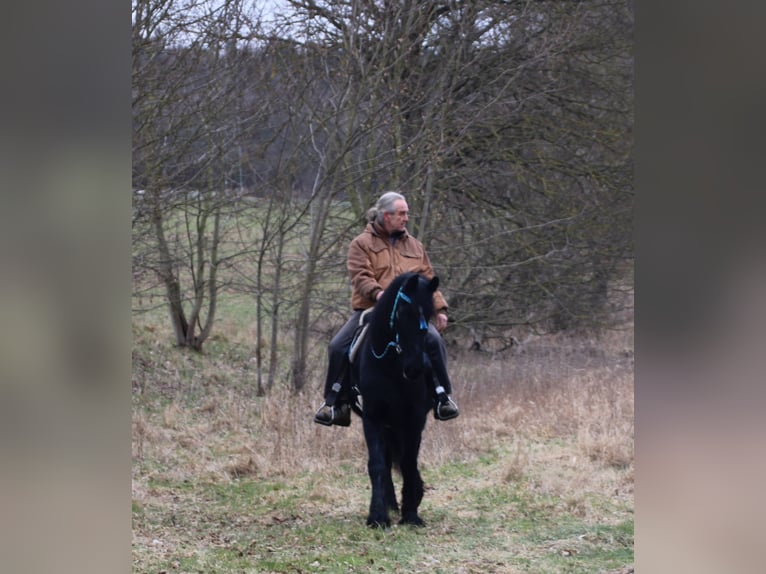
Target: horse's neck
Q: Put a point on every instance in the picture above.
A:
(380, 332)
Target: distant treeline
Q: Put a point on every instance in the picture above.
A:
(508, 126)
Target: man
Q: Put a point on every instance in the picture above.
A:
(380, 253)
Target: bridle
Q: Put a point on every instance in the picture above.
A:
(394, 344)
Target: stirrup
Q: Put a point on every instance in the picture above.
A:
(357, 403)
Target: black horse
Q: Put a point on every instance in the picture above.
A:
(390, 370)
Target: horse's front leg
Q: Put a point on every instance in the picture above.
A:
(389, 483)
(379, 473)
(412, 489)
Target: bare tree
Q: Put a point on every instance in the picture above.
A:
(184, 101)
(507, 124)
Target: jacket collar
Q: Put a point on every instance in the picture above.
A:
(378, 231)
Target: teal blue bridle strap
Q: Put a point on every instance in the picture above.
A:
(394, 344)
(392, 319)
(399, 295)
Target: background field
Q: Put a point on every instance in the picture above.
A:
(536, 475)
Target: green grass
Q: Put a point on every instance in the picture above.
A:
(292, 524)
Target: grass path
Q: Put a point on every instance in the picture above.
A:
(481, 517)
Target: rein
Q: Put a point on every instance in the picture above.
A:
(392, 320)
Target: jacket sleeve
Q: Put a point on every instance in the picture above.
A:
(361, 272)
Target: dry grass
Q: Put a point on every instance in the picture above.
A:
(575, 391)
(556, 417)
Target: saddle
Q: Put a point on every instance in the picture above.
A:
(359, 334)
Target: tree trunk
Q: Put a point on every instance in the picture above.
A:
(168, 276)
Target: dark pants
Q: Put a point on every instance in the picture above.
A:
(338, 358)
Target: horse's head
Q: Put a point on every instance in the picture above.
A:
(411, 310)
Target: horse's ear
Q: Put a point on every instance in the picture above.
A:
(411, 284)
(433, 285)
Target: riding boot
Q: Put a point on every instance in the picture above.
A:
(336, 409)
(445, 407)
(334, 415)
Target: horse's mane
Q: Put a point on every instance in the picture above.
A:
(389, 295)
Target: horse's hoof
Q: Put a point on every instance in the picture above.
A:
(413, 521)
(382, 524)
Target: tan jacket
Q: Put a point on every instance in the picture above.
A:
(373, 262)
